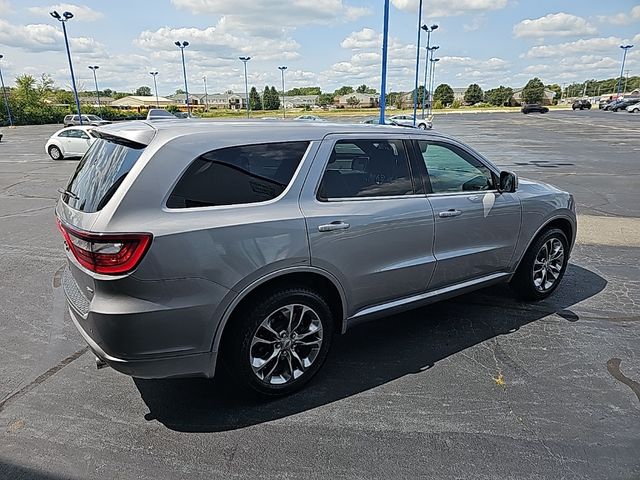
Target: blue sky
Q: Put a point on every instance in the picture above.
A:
(323, 42)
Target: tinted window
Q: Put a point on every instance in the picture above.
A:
(236, 175)
(100, 172)
(366, 168)
(451, 169)
(65, 133)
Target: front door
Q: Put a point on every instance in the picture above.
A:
(476, 227)
(369, 222)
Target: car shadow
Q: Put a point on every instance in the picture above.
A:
(367, 356)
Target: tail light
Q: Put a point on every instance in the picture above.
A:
(106, 253)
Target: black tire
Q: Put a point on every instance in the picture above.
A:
(244, 324)
(55, 153)
(523, 280)
(422, 126)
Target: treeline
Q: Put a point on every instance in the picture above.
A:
(592, 88)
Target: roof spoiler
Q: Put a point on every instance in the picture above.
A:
(133, 134)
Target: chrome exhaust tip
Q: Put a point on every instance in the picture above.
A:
(100, 364)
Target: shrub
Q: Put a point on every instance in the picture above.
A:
(456, 104)
(437, 105)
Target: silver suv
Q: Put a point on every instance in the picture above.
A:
(93, 120)
(254, 243)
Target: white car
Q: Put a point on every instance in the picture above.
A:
(69, 142)
(407, 121)
(309, 118)
(635, 108)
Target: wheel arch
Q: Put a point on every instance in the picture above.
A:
(561, 222)
(315, 278)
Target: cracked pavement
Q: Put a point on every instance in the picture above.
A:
(479, 387)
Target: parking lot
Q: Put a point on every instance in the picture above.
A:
(481, 386)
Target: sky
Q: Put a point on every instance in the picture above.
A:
(326, 43)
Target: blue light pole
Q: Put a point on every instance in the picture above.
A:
(624, 57)
(426, 63)
(63, 19)
(246, 83)
(6, 99)
(385, 44)
(182, 46)
(415, 91)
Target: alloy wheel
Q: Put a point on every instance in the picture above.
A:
(286, 344)
(548, 265)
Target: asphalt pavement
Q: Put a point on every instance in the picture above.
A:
(478, 387)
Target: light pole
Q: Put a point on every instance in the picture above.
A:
(430, 52)
(284, 108)
(426, 63)
(206, 100)
(155, 86)
(182, 46)
(433, 70)
(63, 19)
(624, 57)
(385, 44)
(415, 90)
(246, 83)
(6, 98)
(93, 68)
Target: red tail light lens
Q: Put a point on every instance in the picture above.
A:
(109, 254)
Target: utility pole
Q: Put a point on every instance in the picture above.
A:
(284, 108)
(66, 16)
(6, 98)
(385, 44)
(415, 91)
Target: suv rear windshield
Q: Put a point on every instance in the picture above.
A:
(100, 172)
(236, 175)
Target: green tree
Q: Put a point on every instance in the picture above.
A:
(344, 90)
(304, 91)
(353, 102)
(267, 103)
(444, 93)
(325, 99)
(533, 91)
(179, 91)
(107, 92)
(254, 99)
(557, 89)
(275, 98)
(364, 89)
(143, 91)
(498, 96)
(473, 94)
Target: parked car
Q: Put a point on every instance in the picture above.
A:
(160, 114)
(533, 107)
(581, 105)
(634, 108)
(255, 246)
(622, 104)
(603, 103)
(407, 121)
(376, 121)
(69, 142)
(94, 120)
(310, 118)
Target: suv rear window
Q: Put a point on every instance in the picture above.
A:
(237, 175)
(100, 172)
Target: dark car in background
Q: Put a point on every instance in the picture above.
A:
(622, 104)
(534, 107)
(581, 105)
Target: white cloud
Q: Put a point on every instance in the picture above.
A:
(45, 38)
(80, 12)
(622, 18)
(584, 46)
(450, 8)
(365, 38)
(554, 24)
(5, 7)
(476, 23)
(287, 13)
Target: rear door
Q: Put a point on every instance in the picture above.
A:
(476, 227)
(368, 220)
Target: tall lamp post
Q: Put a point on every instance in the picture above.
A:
(426, 63)
(415, 91)
(182, 46)
(246, 83)
(284, 107)
(63, 19)
(433, 70)
(6, 98)
(155, 87)
(93, 68)
(383, 75)
(206, 99)
(624, 57)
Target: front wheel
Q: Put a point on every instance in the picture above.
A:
(55, 153)
(422, 126)
(543, 266)
(278, 343)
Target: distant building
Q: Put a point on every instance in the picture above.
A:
(92, 100)
(458, 93)
(516, 98)
(300, 101)
(231, 101)
(364, 100)
(139, 101)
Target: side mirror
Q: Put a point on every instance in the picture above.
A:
(508, 182)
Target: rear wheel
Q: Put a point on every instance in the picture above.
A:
(422, 126)
(55, 153)
(542, 266)
(278, 343)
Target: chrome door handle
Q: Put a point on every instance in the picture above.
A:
(450, 213)
(330, 227)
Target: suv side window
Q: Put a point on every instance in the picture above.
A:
(451, 169)
(237, 175)
(366, 168)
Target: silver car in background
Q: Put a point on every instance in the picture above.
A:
(254, 243)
